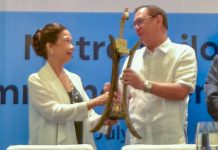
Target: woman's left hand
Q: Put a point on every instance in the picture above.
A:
(110, 122)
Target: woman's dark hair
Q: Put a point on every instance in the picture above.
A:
(49, 34)
(155, 11)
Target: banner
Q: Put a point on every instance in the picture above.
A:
(90, 22)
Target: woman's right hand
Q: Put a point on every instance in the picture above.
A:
(107, 87)
(102, 99)
(98, 101)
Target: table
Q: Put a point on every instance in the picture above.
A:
(51, 147)
(160, 147)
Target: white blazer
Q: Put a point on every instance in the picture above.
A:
(51, 116)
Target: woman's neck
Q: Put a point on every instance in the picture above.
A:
(58, 68)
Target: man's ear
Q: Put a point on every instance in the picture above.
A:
(159, 19)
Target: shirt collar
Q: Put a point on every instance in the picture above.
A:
(164, 47)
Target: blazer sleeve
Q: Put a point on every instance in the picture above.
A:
(211, 89)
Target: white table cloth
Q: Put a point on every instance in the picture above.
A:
(160, 147)
(51, 147)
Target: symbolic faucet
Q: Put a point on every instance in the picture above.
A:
(118, 110)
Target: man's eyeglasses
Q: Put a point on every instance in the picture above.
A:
(139, 21)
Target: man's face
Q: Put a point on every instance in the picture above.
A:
(144, 25)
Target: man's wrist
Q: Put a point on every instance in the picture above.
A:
(147, 86)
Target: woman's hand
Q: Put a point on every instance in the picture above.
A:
(102, 99)
(98, 101)
(110, 122)
(107, 87)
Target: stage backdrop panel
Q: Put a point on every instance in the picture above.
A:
(90, 28)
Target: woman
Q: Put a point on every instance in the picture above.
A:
(54, 92)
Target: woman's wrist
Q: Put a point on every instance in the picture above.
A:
(91, 104)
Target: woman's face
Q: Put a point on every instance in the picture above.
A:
(63, 48)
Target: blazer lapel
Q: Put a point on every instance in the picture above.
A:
(60, 95)
(54, 83)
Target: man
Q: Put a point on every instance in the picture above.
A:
(211, 90)
(160, 79)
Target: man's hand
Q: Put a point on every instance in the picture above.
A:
(130, 77)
